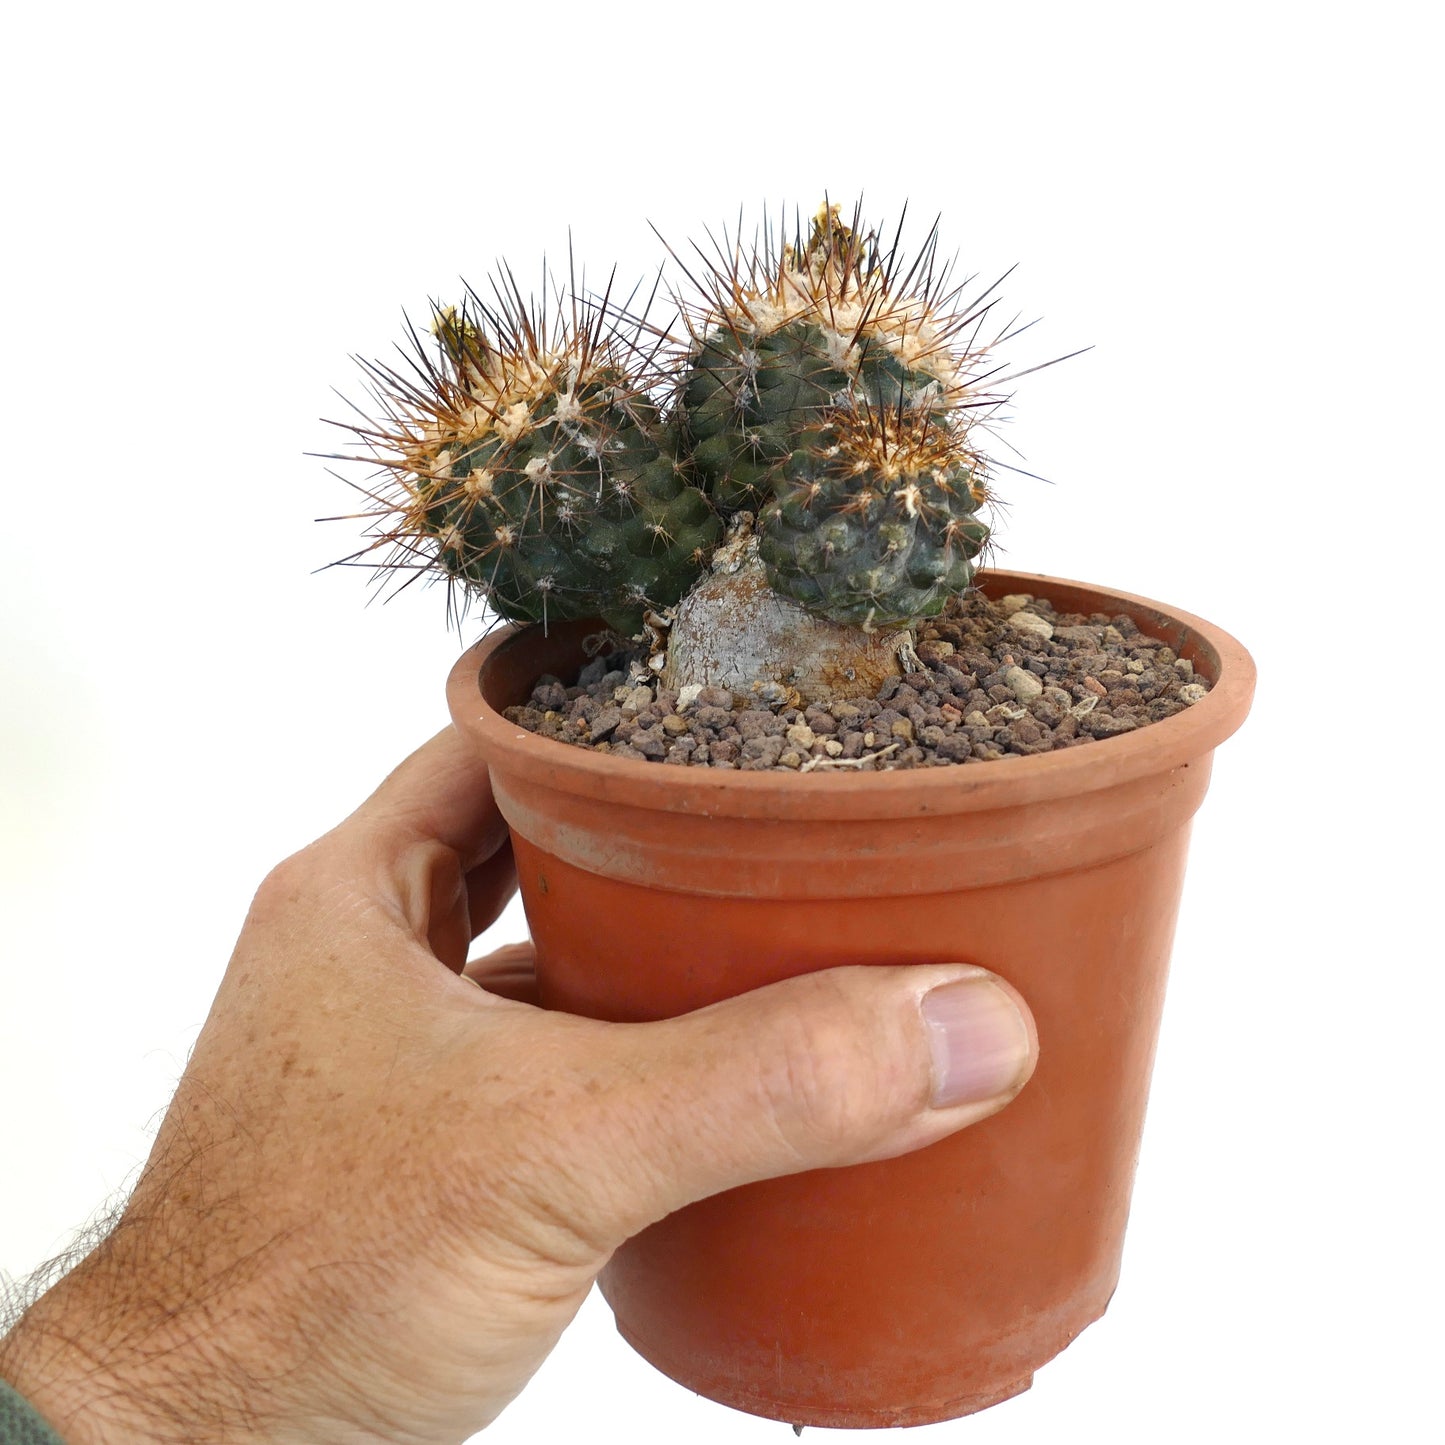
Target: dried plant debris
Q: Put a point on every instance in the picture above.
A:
(998, 679)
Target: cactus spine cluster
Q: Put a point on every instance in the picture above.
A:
(553, 463)
(534, 469)
(794, 335)
(873, 520)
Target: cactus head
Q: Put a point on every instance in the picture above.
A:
(875, 520)
(789, 334)
(534, 469)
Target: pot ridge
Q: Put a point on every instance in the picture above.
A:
(635, 822)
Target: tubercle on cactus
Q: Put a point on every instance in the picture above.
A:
(568, 459)
(874, 518)
(529, 464)
(788, 332)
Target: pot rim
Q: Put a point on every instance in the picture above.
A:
(1155, 748)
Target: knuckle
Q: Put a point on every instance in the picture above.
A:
(286, 885)
(310, 882)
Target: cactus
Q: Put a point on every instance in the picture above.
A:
(825, 400)
(535, 470)
(790, 336)
(873, 520)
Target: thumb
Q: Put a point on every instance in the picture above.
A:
(838, 1067)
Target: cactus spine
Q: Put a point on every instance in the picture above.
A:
(873, 520)
(824, 390)
(796, 333)
(536, 471)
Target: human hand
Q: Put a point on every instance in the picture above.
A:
(382, 1191)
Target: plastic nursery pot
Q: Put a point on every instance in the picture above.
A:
(933, 1285)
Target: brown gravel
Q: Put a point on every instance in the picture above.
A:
(1000, 679)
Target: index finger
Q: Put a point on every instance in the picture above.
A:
(441, 793)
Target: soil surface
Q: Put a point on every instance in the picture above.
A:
(999, 679)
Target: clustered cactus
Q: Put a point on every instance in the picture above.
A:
(563, 460)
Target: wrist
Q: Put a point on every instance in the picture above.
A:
(106, 1359)
(20, 1422)
(56, 1365)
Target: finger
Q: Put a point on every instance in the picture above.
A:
(833, 1068)
(509, 971)
(435, 846)
(440, 793)
(445, 910)
(490, 888)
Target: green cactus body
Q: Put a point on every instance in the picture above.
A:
(874, 520)
(567, 506)
(820, 330)
(748, 398)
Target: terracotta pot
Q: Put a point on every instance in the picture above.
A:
(928, 1286)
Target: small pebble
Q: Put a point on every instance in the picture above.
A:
(605, 724)
(1031, 622)
(1023, 684)
(1101, 724)
(651, 744)
(1083, 636)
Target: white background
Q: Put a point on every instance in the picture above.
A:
(211, 207)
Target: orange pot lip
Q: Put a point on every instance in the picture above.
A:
(525, 758)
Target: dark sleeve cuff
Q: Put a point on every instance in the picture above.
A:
(21, 1423)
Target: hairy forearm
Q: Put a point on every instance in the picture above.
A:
(52, 1358)
(115, 1353)
(151, 1335)
(78, 1354)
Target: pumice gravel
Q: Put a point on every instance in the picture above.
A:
(999, 679)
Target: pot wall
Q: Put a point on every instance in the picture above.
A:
(928, 1286)
(995, 1247)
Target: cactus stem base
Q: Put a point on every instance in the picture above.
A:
(734, 631)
